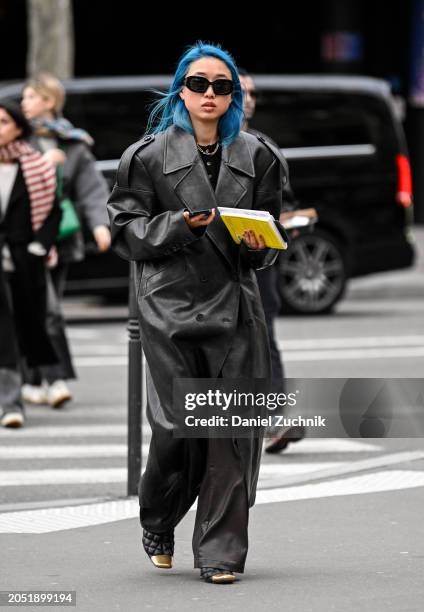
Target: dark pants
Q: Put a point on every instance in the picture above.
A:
(216, 474)
(10, 388)
(55, 324)
(221, 472)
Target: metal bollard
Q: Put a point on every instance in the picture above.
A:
(134, 388)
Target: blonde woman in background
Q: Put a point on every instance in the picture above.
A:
(64, 145)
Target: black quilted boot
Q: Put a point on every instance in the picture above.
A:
(159, 547)
(217, 575)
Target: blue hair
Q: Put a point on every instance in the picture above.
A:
(171, 110)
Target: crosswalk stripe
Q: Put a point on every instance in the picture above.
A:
(362, 353)
(100, 362)
(390, 480)
(13, 478)
(121, 340)
(291, 356)
(350, 342)
(64, 451)
(287, 469)
(36, 451)
(72, 517)
(68, 431)
(291, 473)
(331, 445)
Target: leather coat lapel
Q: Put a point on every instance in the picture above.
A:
(190, 181)
(192, 186)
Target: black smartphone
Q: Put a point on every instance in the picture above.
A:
(206, 213)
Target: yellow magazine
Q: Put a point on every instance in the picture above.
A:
(237, 220)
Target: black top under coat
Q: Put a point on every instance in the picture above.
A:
(212, 163)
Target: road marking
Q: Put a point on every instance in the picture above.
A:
(64, 431)
(120, 344)
(49, 520)
(362, 353)
(355, 466)
(288, 469)
(331, 445)
(81, 333)
(74, 411)
(32, 477)
(45, 451)
(292, 474)
(16, 478)
(390, 480)
(111, 350)
(290, 356)
(63, 451)
(350, 342)
(100, 362)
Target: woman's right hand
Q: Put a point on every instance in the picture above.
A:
(198, 220)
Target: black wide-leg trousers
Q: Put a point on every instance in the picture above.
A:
(214, 472)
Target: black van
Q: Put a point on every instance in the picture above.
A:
(347, 157)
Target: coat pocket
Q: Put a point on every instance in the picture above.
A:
(157, 274)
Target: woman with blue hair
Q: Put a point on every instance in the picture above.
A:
(200, 312)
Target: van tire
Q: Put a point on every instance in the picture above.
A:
(312, 273)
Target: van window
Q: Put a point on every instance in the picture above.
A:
(114, 119)
(309, 119)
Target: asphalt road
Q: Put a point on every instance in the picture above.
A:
(338, 523)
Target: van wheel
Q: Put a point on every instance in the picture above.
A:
(312, 274)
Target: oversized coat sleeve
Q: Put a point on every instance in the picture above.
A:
(138, 233)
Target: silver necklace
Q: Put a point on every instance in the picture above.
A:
(208, 152)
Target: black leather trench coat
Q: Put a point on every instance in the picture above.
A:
(200, 311)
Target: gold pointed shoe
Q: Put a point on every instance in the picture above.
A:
(217, 575)
(159, 547)
(162, 561)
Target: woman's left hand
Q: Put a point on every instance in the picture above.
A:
(253, 242)
(102, 237)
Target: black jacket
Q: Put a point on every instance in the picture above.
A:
(23, 292)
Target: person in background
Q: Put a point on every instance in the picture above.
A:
(267, 281)
(29, 222)
(63, 145)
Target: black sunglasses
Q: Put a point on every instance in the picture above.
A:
(199, 84)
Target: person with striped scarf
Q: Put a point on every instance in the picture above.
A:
(29, 222)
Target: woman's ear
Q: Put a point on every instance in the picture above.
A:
(181, 95)
(50, 103)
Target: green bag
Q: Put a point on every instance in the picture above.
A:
(70, 223)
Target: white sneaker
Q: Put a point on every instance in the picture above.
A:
(34, 394)
(58, 393)
(12, 416)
